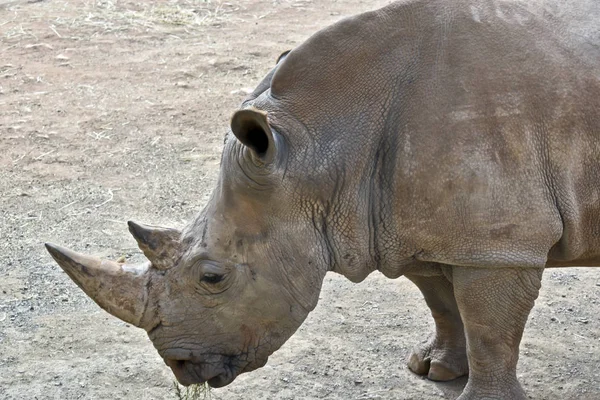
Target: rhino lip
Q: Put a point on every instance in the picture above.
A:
(222, 379)
(189, 372)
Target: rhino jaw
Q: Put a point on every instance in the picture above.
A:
(118, 288)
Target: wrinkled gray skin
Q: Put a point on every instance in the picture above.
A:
(453, 142)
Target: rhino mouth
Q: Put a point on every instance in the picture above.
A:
(189, 372)
(218, 370)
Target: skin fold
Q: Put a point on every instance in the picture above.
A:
(455, 143)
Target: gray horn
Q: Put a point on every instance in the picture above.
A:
(160, 245)
(120, 289)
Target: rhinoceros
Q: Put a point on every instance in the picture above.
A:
(456, 143)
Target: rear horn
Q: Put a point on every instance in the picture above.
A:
(160, 245)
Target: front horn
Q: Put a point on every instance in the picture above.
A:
(119, 289)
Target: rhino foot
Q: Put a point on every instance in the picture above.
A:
(439, 363)
(444, 356)
(510, 390)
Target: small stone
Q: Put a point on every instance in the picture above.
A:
(244, 91)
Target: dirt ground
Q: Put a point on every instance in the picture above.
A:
(116, 110)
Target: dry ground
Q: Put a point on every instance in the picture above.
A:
(115, 110)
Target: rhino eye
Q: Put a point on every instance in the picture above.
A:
(212, 278)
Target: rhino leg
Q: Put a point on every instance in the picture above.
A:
(494, 305)
(443, 357)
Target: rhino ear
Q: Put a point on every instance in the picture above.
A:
(251, 128)
(282, 56)
(160, 245)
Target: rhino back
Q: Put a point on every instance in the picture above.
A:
(463, 132)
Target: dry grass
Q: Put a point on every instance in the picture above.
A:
(192, 392)
(101, 17)
(116, 15)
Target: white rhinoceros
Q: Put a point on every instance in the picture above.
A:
(456, 143)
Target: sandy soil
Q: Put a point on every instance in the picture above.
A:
(115, 110)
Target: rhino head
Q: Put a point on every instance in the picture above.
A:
(221, 295)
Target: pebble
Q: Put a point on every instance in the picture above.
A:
(245, 91)
(183, 85)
